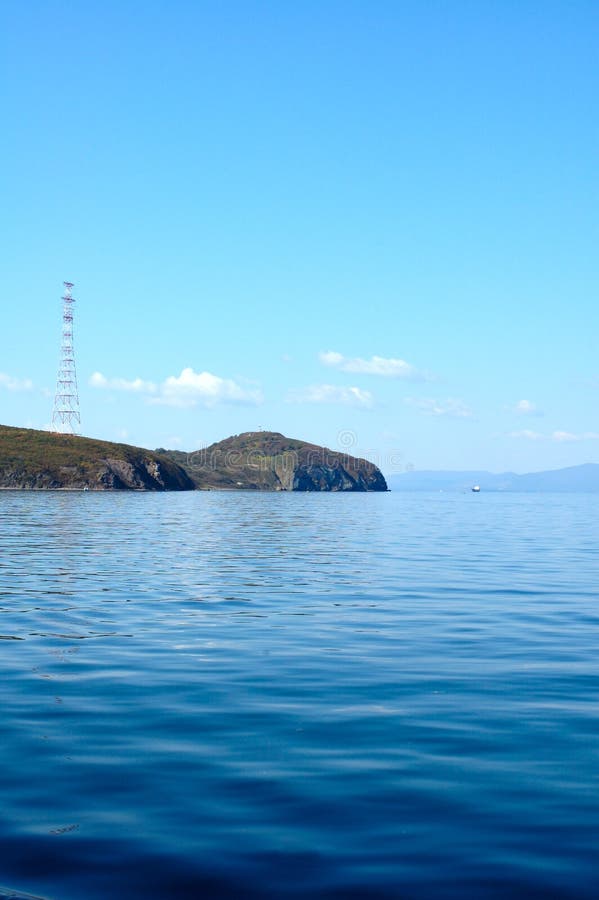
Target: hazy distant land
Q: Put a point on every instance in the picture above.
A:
(578, 479)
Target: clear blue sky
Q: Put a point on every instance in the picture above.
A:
(266, 207)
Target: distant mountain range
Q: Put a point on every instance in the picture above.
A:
(580, 479)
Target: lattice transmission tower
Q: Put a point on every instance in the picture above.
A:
(66, 416)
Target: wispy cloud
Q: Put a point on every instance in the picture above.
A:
(188, 389)
(451, 407)
(135, 385)
(527, 434)
(526, 408)
(10, 383)
(330, 393)
(559, 437)
(376, 365)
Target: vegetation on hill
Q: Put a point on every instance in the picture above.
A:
(38, 460)
(267, 460)
(41, 460)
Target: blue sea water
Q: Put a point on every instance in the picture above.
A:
(288, 695)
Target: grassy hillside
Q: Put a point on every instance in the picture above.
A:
(267, 460)
(41, 460)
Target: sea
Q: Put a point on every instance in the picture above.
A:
(278, 695)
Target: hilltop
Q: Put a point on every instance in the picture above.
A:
(269, 461)
(41, 460)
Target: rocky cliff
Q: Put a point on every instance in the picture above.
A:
(267, 460)
(40, 460)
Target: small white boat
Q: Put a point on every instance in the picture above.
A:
(476, 489)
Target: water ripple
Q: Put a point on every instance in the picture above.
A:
(243, 695)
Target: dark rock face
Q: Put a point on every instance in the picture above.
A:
(336, 478)
(39, 460)
(140, 475)
(268, 461)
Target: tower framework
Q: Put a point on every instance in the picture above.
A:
(66, 417)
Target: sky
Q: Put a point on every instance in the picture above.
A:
(370, 225)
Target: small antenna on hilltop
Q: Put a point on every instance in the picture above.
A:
(66, 400)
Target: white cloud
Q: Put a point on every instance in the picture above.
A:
(136, 385)
(376, 365)
(187, 389)
(192, 388)
(451, 407)
(527, 408)
(330, 393)
(559, 437)
(15, 384)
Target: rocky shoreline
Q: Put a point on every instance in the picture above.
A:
(259, 461)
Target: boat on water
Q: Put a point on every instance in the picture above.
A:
(476, 489)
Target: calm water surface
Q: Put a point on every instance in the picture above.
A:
(285, 695)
